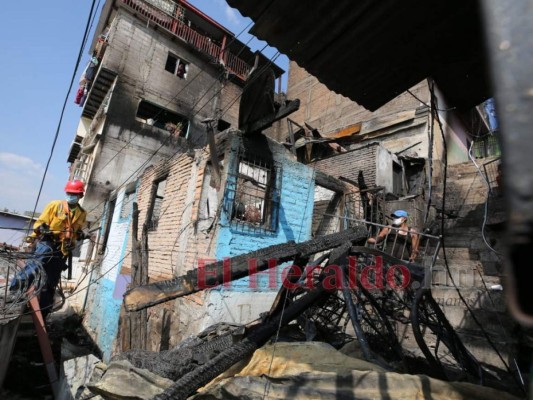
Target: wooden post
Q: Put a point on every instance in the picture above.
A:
(44, 342)
(139, 276)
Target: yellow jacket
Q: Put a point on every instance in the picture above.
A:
(64, 223)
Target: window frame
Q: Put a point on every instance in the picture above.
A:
(176, 61)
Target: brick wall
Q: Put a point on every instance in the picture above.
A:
(328, 111)
(350, 163)
(174, 247)
(243, 300)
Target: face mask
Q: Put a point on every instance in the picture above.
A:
(72, 199)
(397, 221)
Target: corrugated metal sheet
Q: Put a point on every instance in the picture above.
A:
(373, 50)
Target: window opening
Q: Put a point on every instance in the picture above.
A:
(156, 204)
(255, 197)
(222, 125)
(176, 66)
(159, 117)
(397, 179)
(486, 146)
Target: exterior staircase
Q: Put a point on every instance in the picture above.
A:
(474, 269)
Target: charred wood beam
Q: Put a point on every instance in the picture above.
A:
(137, 321)
(331, 213)
(329, 182)
(266, 122)
(213, 154)
(202, 375)
(258, 336)
(234, 268)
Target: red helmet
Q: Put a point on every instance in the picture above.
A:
(75, 187)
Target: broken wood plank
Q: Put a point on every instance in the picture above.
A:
(386, 121)
(217, 273)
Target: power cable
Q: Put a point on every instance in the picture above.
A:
(166, 141)
(189, 82)
(264, 68)
(84, 40)
(427, 105)
(448, 271)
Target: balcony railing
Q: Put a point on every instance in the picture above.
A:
(202, 43)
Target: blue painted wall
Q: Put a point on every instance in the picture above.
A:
(294, 215)
(108, 285)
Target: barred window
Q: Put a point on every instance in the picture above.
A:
(255, 196)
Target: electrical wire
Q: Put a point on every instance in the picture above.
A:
(434, 109)
(427, 105)
(168, 138)
(92, 281)
(189, 82)
(486, 206)
(84, 40)
(154, 153)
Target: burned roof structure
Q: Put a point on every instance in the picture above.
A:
(372, 51)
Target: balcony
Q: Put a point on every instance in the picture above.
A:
(178, 28)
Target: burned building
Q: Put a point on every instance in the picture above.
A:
(262, 197)
(157, 69)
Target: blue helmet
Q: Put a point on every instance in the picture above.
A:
(400, 214)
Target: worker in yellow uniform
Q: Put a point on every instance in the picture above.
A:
(54, 236)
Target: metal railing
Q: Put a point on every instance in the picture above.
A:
(393, 244)
(199, 41)
(492, 173)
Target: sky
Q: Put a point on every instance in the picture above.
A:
(39, 44)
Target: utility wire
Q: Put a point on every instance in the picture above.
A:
(267, 65)
(450, 275)
(155, 118)
(84, 40)
(136, 171)
(189, 82)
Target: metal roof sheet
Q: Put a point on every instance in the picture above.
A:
(372, 50)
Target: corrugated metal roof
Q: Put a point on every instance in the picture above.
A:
(372, 50)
